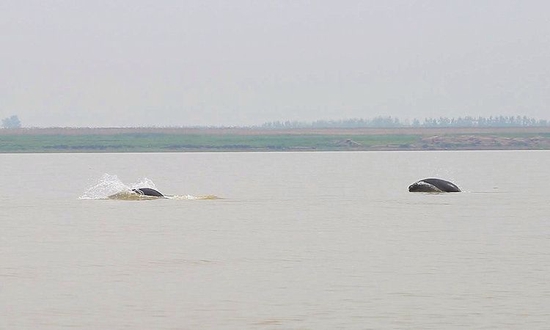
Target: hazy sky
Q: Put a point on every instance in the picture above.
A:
(237, 62)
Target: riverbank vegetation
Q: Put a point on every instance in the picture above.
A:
(388, 121)
(45, 140)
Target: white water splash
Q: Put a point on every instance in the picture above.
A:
(143, 183)
(111, 187)
(106, 186)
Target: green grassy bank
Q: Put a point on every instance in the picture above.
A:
(157, 142)
(55, 140)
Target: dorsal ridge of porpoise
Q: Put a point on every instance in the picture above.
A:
(433, 185)
(148, 192)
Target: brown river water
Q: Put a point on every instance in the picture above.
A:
(275, 241)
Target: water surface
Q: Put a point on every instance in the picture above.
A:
(295, 241)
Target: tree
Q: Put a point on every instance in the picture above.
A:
(11, 122)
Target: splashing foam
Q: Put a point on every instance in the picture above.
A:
(143, 183)
(106, 186)
(189, 197)
(110, 185)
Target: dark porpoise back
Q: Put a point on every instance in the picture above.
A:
(433, 185)
(148, 192)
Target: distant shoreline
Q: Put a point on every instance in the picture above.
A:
(153, 139)
(267, 131)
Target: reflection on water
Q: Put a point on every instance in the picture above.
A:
(300, 241)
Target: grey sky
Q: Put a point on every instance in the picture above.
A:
(236, 62)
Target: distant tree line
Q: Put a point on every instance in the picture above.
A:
(389, 122)
(11, 122)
